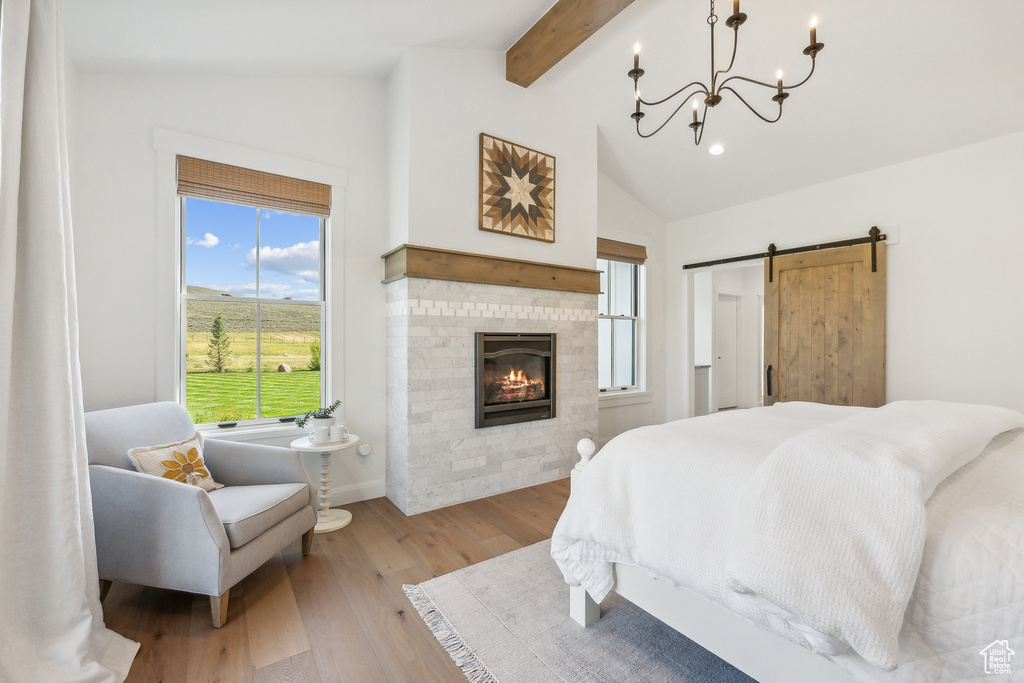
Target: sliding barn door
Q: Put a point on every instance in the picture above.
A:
(824, 330)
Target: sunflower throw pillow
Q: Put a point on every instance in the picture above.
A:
(182, 461)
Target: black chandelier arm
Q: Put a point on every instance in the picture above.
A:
(806, 78)
(663, 124)
(735, 44)
(756, 113)
(700, 88)
(774, 86)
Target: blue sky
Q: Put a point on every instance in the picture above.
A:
(220, 250)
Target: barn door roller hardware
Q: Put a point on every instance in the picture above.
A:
(874, 237)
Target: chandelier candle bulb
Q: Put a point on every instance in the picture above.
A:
(637, 101)
(636, 56)
(735, 6)
(695, 105)
(814, 30)
(778, 75)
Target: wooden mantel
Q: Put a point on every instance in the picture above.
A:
(442, 264)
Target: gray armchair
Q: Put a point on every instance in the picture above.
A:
(164, 533)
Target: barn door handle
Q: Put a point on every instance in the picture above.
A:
(768, 380)
(874, 232)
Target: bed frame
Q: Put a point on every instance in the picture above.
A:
(759, 653)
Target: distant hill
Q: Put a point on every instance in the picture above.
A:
(192, 289)
(240, 316)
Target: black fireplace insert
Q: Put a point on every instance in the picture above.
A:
(515, 378)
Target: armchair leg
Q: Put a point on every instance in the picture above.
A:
(307, 542)
(219, 608)
(104, 589)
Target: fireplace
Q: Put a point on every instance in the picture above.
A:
(515, 378)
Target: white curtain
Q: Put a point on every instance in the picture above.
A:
(51, 622)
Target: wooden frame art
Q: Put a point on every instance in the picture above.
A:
(517, 190)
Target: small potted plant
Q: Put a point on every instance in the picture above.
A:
(321, 417)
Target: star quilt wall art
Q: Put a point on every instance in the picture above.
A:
(517, 190)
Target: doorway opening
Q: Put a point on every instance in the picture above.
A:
(728, 337)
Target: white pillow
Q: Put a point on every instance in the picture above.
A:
(176, 461)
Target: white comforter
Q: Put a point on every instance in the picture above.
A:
(830, 527)
(664, 498)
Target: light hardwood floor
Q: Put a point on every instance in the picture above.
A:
(340, 613)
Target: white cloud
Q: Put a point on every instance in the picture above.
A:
(302, 259)
(209, 240)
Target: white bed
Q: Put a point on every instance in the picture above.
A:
(667, 498)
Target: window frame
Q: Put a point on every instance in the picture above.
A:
(168, 145)
(638, 388)
(182, 322)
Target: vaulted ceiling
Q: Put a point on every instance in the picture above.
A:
(896, 80)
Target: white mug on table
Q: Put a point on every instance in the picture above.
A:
(339, 433)
(320, 435)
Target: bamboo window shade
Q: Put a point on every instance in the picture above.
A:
(621, 251)
(223, 183)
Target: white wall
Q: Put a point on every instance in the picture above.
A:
(621, 217)
(399, 119)
(453, 96)
(119, 250)
(954, 315)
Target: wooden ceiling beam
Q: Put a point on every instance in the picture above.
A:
(561, 30)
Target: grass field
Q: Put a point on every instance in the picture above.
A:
(290, 348)
(287, 333)
(231, 396)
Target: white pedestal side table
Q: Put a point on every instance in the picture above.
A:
(326, 518)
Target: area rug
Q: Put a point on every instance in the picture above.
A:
(506, 620)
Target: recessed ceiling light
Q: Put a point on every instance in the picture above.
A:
(716, 149)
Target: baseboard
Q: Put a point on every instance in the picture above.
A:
(353, 493)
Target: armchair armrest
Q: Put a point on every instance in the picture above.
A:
(234, 463)
(157, 532)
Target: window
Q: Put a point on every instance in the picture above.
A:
(619, 311)
(253, 297)
(617, 325)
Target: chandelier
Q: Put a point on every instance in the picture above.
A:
(711, 95)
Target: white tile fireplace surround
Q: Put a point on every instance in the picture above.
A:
(435, 455)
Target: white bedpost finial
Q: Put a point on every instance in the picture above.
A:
(586, 448)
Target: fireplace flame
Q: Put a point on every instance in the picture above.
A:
(517, 379)
(515, 386)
